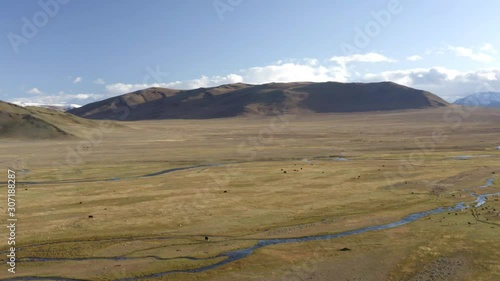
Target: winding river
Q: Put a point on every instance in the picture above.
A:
(232, 256)
(171, 170)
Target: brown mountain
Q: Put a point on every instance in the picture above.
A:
(244, 99)
(39, 123)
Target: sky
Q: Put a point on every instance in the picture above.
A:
(76, 52)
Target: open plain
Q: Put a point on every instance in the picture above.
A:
(110, 204)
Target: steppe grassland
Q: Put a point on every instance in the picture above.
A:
(398, 163)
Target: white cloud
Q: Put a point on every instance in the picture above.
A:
(204, 81)
(487, 47)
(60, 98)
(436, 51)
(34, 91)
(449, 84)
(99, 81)
(77, 80)
(311, 61)
(368, 57)
(414, 58)
(297, 70)
(478, 56)
(294, 71)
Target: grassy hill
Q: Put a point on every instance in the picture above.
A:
(39, 123)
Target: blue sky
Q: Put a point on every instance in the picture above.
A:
(62, 51)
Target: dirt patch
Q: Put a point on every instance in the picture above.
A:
(443, 269)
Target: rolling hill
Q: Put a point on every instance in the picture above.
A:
(267, 99)
(39, 123)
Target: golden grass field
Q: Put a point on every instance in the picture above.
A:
(398, 163)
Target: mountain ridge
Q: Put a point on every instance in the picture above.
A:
(242, 99)
(483, 99)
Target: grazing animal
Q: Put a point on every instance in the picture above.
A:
(225, 191)
(91, 217)
(206, 238)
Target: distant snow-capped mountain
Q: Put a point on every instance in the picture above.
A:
(61, 107)
(487, 99)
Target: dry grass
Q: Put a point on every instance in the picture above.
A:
(158, 220)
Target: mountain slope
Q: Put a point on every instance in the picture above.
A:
(486, 99)
(38, 123)
(267, 99)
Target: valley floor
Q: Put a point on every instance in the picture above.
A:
(114, 207)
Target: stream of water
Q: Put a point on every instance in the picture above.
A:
(232, 256)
